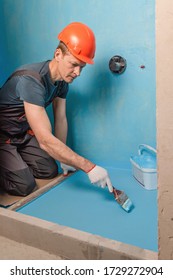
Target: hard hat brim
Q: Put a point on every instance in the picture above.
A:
(82, 58)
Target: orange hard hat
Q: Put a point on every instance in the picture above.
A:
(80, 41)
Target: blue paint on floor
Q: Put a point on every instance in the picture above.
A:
(77, 204)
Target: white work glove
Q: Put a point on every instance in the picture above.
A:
(66, 168)
(99, 176)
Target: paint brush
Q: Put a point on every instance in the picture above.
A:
(123, 200)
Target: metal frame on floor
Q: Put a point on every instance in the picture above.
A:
(38, 192)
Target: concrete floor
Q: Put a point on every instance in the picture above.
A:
(12, 250)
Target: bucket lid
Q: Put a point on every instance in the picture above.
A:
(147, 158)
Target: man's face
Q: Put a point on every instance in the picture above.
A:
(69, 67)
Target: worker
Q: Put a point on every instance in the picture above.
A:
(28, 147)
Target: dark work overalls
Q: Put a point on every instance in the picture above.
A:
(21, 158)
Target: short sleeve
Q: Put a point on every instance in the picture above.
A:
(31, 90)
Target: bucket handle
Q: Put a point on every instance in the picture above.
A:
(144, 147)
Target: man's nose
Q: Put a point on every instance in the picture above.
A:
(77, 70)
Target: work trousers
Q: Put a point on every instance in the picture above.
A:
(21, 163)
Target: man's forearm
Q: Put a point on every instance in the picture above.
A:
(59, 151)
(48, 142)
(61, 130)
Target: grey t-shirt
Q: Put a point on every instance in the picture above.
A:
(27, 88)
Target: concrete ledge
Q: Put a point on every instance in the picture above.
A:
(12, 250)
(66, 242)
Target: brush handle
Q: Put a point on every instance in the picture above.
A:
(116, 192)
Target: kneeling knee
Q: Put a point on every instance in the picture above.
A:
(46, 169)
(26, 188)
(20, 182)
(52, 171)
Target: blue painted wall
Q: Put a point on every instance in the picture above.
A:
(109, 115)
(3, 50)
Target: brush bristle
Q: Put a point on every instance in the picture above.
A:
(127, 205)
(123, 200)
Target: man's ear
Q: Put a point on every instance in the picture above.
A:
(58, 54)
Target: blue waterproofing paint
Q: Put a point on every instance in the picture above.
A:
(118, 110)
(4, 59)
(77, 204)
